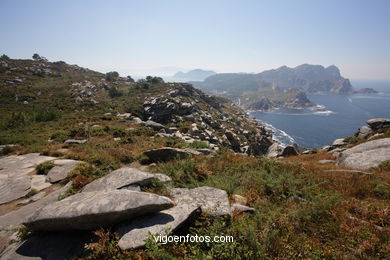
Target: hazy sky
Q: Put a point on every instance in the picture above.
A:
(162, 36)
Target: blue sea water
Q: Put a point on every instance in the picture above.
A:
(339, 116)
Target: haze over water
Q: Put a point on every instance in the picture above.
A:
(342, 116)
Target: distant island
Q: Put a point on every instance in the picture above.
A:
(277, 88)
(192, 75)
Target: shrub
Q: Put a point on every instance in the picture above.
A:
(112, 76)
(114, 92)
(45, 116)
(19, 119)
(44, 168)
(4, 57)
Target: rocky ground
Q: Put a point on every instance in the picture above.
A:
(116, 160)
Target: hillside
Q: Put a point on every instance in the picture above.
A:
(91, 163)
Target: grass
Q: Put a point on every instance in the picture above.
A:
(301, 211)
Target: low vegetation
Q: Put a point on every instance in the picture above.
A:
(301, 211)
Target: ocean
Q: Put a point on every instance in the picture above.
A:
(336, 116)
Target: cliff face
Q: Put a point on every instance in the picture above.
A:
(309, 78)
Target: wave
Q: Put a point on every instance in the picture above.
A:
(279, 135)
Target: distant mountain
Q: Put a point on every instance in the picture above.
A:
(308, 78)
(282, 87)
(192, 75)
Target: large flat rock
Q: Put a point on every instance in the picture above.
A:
(122, 178)
(366, 155)
(211, 200)
(13, 188)
(134, 234)
(23, 161)
(15, 218)
(58, 173)
(92, 210)
(378, 123)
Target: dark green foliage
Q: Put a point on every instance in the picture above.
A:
(37, 57)
(142, 84)
(45, 116)
(130, 79)
(154, 80)
(4, 57)
(44, 168)
(112, 76)
(19, 119)
(114, 92)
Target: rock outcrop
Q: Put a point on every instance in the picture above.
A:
(61, 171)
(134, 234)
(366, 155)
(123, 178)
(211, 200)
(92, 210)
(14, 179)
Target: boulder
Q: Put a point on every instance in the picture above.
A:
(154, 125)
(92, 210)
(238, 208)
(58, 173)
(38, 182)
(74, 141)
(134, 233)
(364, 132)
(378, 123)
(13, 188)
(211, 200)
(167, 154)
(339, 142)
(122, 178)
(289, 151)
(366, 155)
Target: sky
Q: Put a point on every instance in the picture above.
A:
(161, 37)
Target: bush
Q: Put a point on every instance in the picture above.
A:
(44, 168)
(19, 119)
(113, 92)
(112, 76)
(4, 57)
(154, 80)
(45, 116)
